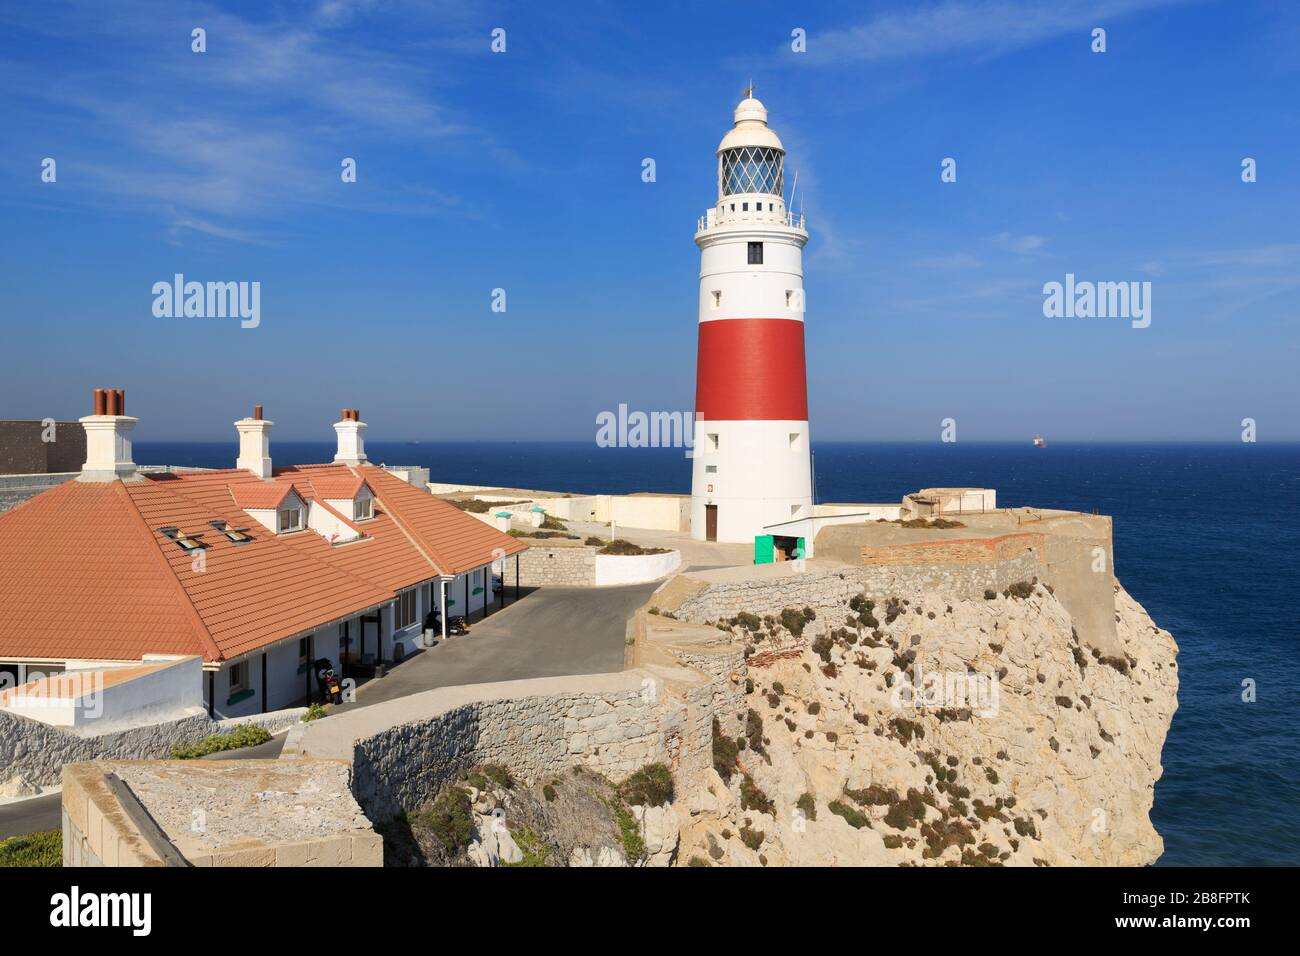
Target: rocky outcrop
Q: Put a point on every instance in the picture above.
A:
(938, 731)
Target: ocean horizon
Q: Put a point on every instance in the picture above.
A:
(1198, 542)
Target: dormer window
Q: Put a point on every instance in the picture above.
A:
(289, 519)
(364, 508)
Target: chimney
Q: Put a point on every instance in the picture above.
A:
(255, 444)
(352, 438)
(108, 438)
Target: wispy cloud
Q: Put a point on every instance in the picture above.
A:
(983, 27)
(1025, 245)
(223, 141)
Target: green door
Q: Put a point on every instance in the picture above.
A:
(764, 549)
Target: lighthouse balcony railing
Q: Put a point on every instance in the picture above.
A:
(788, 219)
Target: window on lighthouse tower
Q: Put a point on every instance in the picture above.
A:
(755, 253)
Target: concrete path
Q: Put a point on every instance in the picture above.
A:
(551, 632)
(45, 812)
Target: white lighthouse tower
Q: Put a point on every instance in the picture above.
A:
(751, 468)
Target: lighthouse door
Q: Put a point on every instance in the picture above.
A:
(710, 522)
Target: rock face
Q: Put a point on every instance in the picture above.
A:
(940, 731)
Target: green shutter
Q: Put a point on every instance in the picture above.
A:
(764, 549)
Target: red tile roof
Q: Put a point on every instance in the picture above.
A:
(261, 495)
(85, 572)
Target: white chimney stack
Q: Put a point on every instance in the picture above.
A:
(352, 438)
(255, 444)
(108, 439)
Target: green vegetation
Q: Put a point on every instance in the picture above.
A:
(532, 846)
(724, 753)
(752, 838)
(619, 546)
(499, 775)
(36, 849)
(450, 818)
(596, 541)
(808, 805)
(752, 798)
(852, 816)
(552, 523)
(629, 832)
(1020, 590)
(651, 786)
(249, 735)
(315, 711)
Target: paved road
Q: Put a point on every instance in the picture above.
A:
(45, 813)
(551, 632)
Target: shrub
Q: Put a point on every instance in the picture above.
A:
(749, 622)
(633, 844)
(249, 735)
(990, 594)
(752, 838)
(814, 708)
(752, 798)
(552, 523)
(754, 732)
(450, 818)
(698, 861)
(499, 775)
(315, 711)
(793, 621)
(822, 648)
(1021, 589)
(724, 753)
(893, 841)
(619, 546)
(44, 848)
(549, 793)
(531, 845)
(596, 541)
(808, 805)
(651, 786)
(852, 816)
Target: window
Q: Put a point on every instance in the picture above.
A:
(744, 207)
(710, 469)
(794, 510)
(365, 508)
(794, 441)
(717, 298)
(302, 650)
(404, 610)
(711, 441)
(755, 253)
(238, 676)
(291, 519)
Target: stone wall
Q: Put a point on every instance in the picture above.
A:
(15, 489)
(541, 566)
(722, 600)
(404, 751)
(37, 752)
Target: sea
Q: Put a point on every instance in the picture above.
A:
(1206, 538)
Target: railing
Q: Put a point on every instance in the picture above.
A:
(788, 219)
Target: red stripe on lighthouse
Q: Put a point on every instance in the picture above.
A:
(751, 370)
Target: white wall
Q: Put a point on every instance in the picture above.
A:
(759, 476)
(615, 569)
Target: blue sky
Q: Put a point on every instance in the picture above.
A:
(522, 170)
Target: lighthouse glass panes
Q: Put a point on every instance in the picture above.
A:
(752, 169)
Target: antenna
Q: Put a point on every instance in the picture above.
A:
(793, 189)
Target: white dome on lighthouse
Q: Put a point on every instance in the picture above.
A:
(751, 128)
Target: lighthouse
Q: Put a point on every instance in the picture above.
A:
(751, 470)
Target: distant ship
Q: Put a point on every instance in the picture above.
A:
(1040, 442)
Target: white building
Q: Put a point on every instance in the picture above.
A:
(751, 467)
(256, 570)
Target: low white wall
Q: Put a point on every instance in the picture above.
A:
(614, 569)
(652, 512)
(81, 699)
